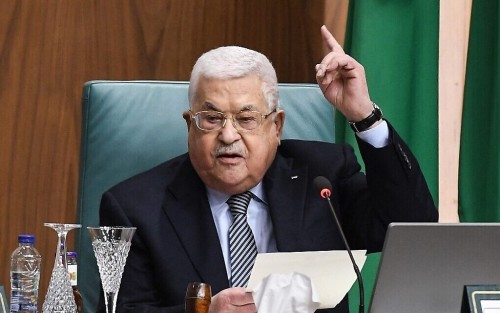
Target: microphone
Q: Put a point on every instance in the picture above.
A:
(323, 185)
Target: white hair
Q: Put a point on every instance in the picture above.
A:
(235, 62)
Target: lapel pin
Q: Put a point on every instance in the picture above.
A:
(294, 177)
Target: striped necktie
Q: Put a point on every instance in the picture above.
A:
(242, 248)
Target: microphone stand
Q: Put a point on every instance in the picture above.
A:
(356, 268)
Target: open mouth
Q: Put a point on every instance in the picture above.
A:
(229, 157)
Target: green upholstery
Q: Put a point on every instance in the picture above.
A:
(130, 126)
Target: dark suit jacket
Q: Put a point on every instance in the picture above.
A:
(176, 240)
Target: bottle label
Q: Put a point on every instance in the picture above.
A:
(72, 270)
(23, 301)
(25, 280)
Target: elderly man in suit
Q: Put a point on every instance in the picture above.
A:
(238, 170)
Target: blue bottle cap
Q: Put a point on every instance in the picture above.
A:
(71, 254)
(26, 238)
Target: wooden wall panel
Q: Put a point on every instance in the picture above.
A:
(49, 48)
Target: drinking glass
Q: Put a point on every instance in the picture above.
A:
(111, 245)
(59, 296)
(198, 297)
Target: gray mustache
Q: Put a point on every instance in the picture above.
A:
(228, 150)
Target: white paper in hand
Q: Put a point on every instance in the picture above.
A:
(286, 293)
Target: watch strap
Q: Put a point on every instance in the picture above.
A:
(367, 122)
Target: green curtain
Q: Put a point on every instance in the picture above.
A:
(397, 43)
(479, 186)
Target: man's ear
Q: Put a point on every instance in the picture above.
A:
(279, 121)
(187, 118)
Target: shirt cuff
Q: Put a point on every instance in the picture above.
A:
(377, 136)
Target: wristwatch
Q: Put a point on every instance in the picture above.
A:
(366, 123)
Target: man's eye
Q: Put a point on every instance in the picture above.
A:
(213, 118)
(246, 118)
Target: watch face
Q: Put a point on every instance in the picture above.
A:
(377, 111)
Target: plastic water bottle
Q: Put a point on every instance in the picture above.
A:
(73, 277)
(25, 265)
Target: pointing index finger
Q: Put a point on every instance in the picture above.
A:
(329, 40)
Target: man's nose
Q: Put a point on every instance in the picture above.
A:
(228, 133)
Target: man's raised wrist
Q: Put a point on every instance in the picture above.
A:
(369, 121)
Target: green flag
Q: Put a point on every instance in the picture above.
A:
(479, 174)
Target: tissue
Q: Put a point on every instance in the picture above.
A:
(286, 293)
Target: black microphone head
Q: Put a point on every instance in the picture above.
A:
(321, 182)
(323, 185)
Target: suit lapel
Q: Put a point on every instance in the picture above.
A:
(192, 219)
(286, 189)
